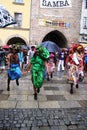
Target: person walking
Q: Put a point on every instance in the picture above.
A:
(76, 66)
(61, 61)
(30, 53)
(21, 58)
(51, 66)
(14, 71)
(37, 64)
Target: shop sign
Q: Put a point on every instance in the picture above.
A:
(55, 3)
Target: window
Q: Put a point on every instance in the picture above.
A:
(18, 18)
(86, 4)
(85, 22)
(18, 1)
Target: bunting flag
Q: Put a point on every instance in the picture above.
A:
(53, 23)
(5, 17)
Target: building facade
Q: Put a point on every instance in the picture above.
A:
(60, 21)
(55, 20)
(19, 32)
(83, 25)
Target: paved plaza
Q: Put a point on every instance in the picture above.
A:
(55, 108)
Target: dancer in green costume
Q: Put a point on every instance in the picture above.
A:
(37, 65)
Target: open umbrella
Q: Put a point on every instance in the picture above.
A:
(50, 46)
(24, 47)
(5, 47)
(1, 52)
(5, 17)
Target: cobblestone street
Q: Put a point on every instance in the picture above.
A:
(55, 108)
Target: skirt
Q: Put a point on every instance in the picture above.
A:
(14, 72)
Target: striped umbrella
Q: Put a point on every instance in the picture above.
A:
(5, 17)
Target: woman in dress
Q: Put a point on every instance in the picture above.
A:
(14, 71)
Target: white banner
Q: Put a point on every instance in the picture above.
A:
(55, 3)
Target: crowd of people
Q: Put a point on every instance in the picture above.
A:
(42, 64)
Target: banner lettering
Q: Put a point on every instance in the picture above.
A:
(55, 3)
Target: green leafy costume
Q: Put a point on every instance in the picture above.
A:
(37, 70)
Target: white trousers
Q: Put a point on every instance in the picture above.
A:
(60, 65)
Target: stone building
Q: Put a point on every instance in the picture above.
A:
(55, 20)
(83, 25)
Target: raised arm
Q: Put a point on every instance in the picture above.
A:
(29, 67)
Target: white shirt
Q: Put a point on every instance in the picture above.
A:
(75, 59)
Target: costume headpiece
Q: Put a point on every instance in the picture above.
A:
(79, 47)
(43, 52)
(51, 55)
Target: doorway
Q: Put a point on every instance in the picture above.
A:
(57, 37)
(16, 40)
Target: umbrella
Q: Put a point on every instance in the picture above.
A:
(5, 47)
(24, 47)
(1, 52)
(50, 46)
(5, 17)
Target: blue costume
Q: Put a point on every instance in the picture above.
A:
(14, 72)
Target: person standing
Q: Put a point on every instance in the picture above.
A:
(61, 60)
(21, 58)
(37, 64)
(51, 66)
(30, 53)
